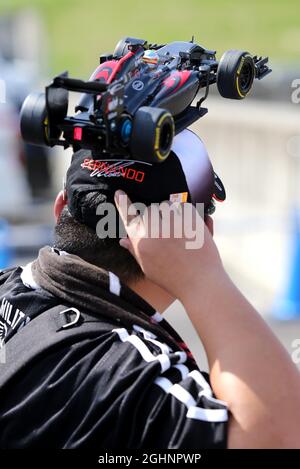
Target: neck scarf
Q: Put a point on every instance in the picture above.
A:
(84, 285)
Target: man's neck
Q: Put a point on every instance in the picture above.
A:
(158, 298)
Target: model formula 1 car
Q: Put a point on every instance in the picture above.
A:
(137, 98)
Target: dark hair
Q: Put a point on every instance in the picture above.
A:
(77, 238)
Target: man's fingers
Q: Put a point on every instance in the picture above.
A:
(123, 202)
(128, 213)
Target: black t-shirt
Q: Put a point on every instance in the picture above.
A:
(119, 388)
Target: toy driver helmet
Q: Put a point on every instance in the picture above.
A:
(151, 57)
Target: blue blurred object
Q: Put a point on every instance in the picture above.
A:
(5, 248)
(288, 305)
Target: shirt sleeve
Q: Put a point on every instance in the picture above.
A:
(177, 412)
(170, 403)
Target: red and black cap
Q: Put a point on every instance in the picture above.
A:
(186, 175)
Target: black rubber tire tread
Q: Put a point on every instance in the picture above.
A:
(33, 119)
(146, 138)
(228, 74)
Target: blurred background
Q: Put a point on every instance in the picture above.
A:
(254, 144)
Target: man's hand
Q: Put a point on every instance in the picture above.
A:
(156, 256)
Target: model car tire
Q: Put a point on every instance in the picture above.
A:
(235, 75)
(34, 119)
(152, 134)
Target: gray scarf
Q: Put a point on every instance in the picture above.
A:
(84, 285)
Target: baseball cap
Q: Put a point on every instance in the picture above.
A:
(186, 175)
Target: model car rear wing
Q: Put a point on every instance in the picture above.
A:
(81, 86)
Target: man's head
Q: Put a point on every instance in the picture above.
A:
(77, 238)
(186, 175)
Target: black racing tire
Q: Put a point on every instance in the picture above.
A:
(34, 119)
(122, 46)
(235, 75)
(152, 134)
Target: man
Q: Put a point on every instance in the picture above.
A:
(90, 361)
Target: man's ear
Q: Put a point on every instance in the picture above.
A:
(60, 202)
